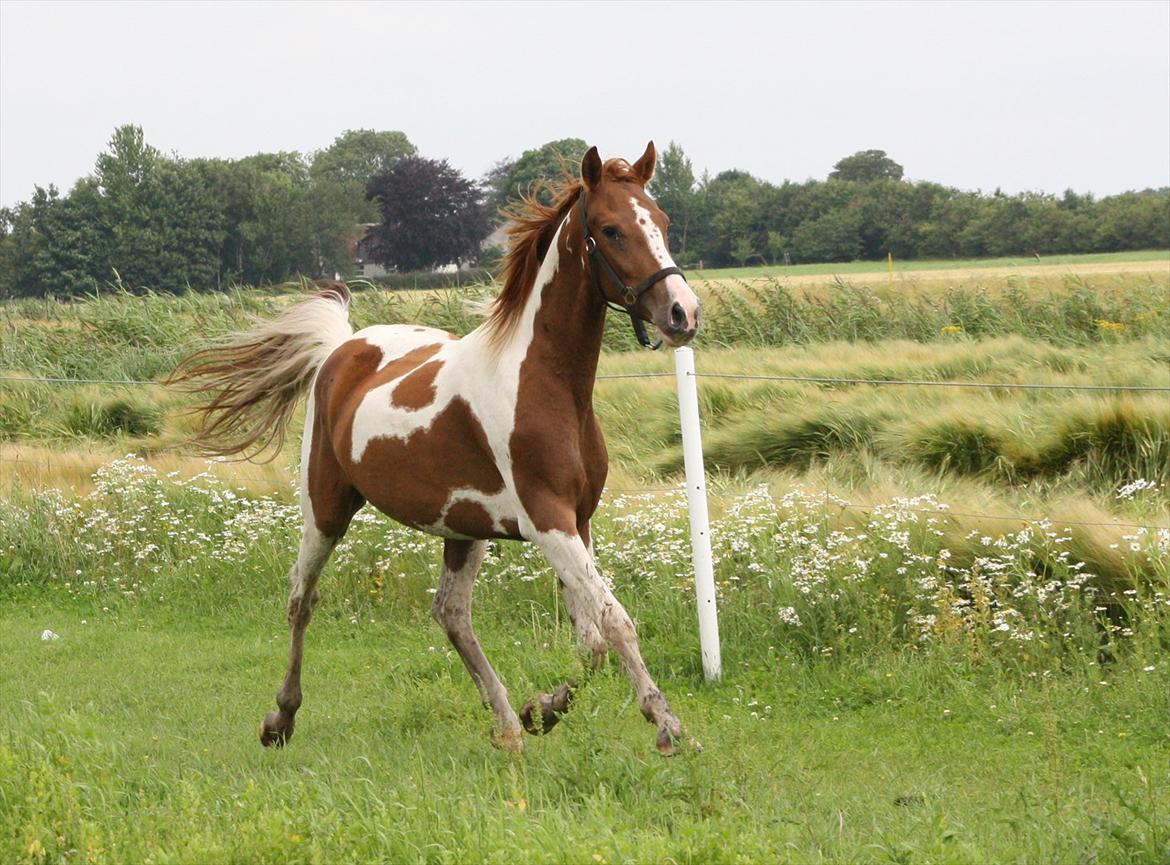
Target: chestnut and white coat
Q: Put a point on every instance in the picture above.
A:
(491, 435)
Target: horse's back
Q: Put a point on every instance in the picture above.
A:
(397, 340)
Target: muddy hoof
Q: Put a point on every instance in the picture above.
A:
(275, 731)
(509, 740)
(541, 713)
(670, 743)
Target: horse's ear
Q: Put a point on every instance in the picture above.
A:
(644, 167)
(591, 168)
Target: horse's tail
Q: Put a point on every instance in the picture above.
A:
(256, 378)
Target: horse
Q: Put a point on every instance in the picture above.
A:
(488, 436)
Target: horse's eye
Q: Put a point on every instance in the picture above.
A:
(611, 233)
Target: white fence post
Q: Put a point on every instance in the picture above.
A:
(688, 411)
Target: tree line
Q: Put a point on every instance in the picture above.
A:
(143, 219)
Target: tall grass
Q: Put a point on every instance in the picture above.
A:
(767, 312)
(805, 572)
(121, 336)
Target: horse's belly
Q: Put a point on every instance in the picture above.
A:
(439, 477)
(438, 500)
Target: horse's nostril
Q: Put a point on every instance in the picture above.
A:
(678, 316)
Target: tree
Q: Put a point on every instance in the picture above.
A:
(865, 166)
(673, 187)
(733, 218)
(533, 171)
(359, 155)
(56, 246)
(431, 215)
(164, 223)
(831, 237)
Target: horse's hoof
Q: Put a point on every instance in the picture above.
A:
(542, 712)
(274, 731)
(509, 740)
(671, 743)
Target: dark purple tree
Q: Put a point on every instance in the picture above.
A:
(431, 215)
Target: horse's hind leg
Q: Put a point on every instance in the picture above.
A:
(452, 610)
(277, 727)
(328, 503)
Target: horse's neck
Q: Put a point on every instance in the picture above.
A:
(568, 319)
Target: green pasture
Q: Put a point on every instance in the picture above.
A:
(913, 671)
(847, 268)
(133, 739)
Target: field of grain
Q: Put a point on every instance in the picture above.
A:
(945, 609)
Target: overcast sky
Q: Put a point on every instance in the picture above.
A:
(1040, 96)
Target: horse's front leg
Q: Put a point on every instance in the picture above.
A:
(452, 610)
(591, 646)
(570, 557)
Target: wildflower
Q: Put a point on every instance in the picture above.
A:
(1129, 490)
(950, 329)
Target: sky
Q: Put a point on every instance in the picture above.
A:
(1020, 96)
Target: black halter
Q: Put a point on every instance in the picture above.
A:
(629, 294)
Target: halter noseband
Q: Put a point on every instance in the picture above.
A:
(629, 294)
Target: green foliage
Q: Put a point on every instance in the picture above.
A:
(866, 166)
(832, 237)
(357, 156)
(534, 171)
(144, 220)
(865, 210)
(673, 187)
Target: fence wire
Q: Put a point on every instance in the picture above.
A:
(801, 379)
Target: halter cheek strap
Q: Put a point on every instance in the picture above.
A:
(629, 294)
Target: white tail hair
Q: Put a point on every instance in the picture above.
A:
(256, 378)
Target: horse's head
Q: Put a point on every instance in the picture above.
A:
(626, 238)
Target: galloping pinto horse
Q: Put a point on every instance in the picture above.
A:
(489, 436)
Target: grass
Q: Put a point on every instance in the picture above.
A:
(911, 672)
(119, 336)
(1022, 263)
(853, 722)
(152, 754)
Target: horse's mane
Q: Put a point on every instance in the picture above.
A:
(531, 228)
